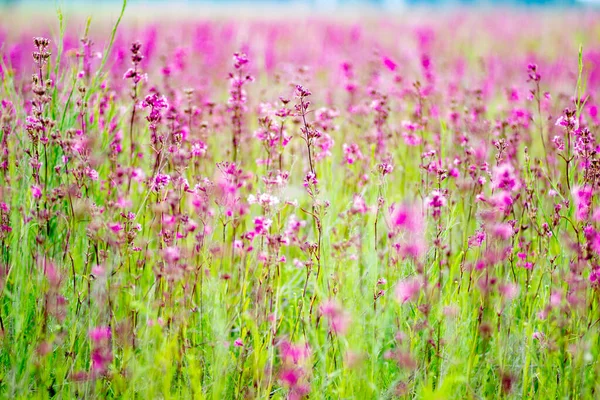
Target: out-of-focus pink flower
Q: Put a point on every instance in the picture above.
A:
(582, 199)
(338, 318)
(294, 353)
(100, 334)
(504, 178)
(408, 290)
(477, 239)
(36, 192)
(509, 291)
(408, 218)
(389, 64)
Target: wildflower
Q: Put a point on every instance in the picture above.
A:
(301, 91)
(352, 153)
(171, 254)
(389, 64)
(116, 227)
(509, 291)
(36, 191)
(338, 318)
(358, 205)
(532, 72)
(407, 290)
(262, 225)
(504, 178)
(568, 121)
(199, 149)
(385, 168)
(594, 276)
(477, 239)
(436, 201)
(160, 182)
(265, 200)
(100, 334)
(582, 199)
(559, 143)
(407, 217)
(502, 230)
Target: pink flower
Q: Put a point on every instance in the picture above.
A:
(502, 230)
(294, 353)
(171, 254)
(358, 205)
(199, 149)
(509, 291)
(100, 334)
(290, 377)
(338, 318)
(559, 143)
(262, 225)
(389, 64)
(352, 153)
(502, 201)
(408, 218)
(477, 239)
(101, 358)
(36, 192)
(436, 201)
(503, 177)
(385, 168)
(116, 227)
(569, 122)
(408, 290)
(160, 181)
(582, 199)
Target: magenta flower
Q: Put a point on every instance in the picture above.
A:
(338, 318)
(389, 64)
(408, 290)
(294, 353)
(407, 217)
(352, 153)
(504, 178)
(100, 334)
(582, 199)
(36, 191)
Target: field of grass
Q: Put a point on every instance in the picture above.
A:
(400, 206)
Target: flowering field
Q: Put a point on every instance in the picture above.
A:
(307, 208)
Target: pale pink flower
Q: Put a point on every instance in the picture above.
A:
(408, 290)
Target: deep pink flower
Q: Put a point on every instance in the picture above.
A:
(36, 191)
(338, 318)
(389, 64)
(582, 199)
(100, 334)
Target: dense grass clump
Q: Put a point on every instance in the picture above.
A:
(313, 208)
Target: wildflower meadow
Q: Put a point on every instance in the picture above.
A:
(305, 207)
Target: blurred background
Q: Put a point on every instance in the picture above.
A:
(322, 4)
